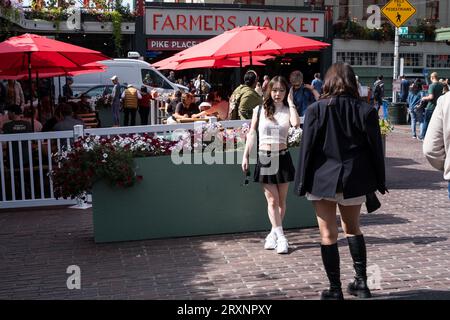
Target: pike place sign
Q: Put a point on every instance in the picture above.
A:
(398, 11)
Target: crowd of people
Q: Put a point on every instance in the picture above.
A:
(202, 100)
(421, 104)
(15, 110)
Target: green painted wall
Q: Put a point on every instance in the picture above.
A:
(188, 200)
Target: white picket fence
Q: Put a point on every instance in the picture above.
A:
(26, 160)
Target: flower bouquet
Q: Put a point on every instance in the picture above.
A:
(294, 137)
(385, 127)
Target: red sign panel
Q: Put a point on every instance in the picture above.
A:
(171, 44)
(198, 22)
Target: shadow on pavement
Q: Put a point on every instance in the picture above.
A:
(423, 294)
(399, 162)
(295, 246)
(400, 240)
(381, 219)
(396, 171)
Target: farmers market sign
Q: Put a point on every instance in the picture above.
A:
(170, 22)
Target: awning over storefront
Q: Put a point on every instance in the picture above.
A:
(443, 34)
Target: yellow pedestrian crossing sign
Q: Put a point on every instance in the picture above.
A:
(398, 11)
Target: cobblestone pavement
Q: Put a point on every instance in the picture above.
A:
(408, 248)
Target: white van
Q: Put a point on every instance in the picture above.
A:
(129, 71)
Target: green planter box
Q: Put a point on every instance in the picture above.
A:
(188, 200)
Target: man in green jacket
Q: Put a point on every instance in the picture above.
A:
(245, 98)
(434, 92)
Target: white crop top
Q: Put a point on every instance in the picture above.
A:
(274, 132)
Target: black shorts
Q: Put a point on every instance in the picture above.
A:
(274, 167)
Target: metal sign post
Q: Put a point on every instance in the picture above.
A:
(396, 56)
(398, 12)
(402, 66)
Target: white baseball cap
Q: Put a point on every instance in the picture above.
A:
(114, 78)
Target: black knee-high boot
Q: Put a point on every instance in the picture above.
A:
(330, 259)
(359, 286)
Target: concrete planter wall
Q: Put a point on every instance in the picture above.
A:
(187, 200)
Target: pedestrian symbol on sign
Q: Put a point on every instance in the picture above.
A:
(398, 11)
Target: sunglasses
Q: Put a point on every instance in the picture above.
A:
(246, 179)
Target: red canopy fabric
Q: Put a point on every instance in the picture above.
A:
(44, 52)
(52, 72)
(170, 64)
(249, 41)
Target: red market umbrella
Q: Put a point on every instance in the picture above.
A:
(249, 41)
(30, 51)
(19, 52)
(213, 64)
(43, 73)
(210, 63)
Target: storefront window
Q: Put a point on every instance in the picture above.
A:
(387, 59)
(438, 61)
(358, 58)
(433, 9)
(411, 59)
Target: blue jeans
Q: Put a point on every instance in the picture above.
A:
(115, 109)
(449, 189)
(385, 110)
(416, 116)
(424, 125)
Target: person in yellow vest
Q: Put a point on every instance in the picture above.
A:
(130, 97)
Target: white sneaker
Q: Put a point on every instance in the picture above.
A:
(282, 245)
(271, 242)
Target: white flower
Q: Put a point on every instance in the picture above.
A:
(105, 155)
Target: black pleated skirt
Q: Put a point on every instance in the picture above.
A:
(274, 167)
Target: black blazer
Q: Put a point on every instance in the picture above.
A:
(341, 150)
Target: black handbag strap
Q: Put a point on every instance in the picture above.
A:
(257, 131)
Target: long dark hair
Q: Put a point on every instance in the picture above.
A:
(269, 106)
(340, 80)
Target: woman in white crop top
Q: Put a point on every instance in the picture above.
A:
(274, 168)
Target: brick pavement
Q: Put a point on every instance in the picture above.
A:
(408, 246)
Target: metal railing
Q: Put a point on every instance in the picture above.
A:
(26, 160)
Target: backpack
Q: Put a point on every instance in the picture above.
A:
(235, 100)
(378, 90)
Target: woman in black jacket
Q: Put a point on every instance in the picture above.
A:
(341, 162)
